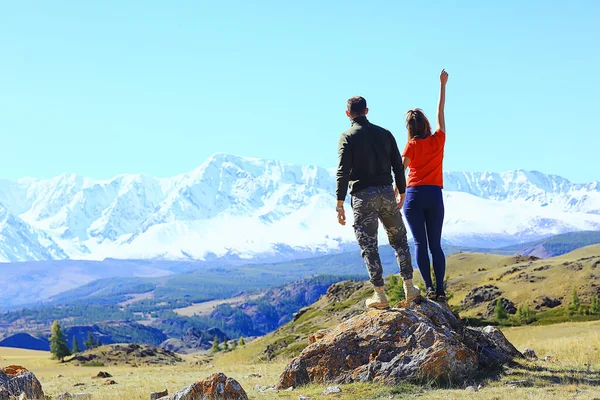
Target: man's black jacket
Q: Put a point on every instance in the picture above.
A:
(367, 154)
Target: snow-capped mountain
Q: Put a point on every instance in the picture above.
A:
(261, 209)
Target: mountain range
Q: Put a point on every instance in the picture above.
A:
(238, 208)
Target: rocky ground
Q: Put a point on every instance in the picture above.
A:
(126, 354)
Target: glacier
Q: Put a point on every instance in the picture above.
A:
(252, 209)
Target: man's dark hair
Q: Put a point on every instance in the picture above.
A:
(357, 105)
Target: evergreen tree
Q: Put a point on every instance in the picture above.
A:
(215, 345)
(75, 347)
(595, 306)
(242, 342)
(90, 343)
(99, 343)
(574, 300)
(520, 314)
(225, 346)
(500, 311)
(58, 343)
(234, 344)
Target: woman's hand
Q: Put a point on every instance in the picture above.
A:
(441, 120)
(400, 200)
(444, 77)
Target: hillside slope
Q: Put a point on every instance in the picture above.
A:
(523, 280)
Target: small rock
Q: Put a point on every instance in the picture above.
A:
(209, 388)
(103, 375)
(79, 384)
(289, 389)
(518, 383)
(59, 376)
(530, 354)
(69, 396)
(547, 358)
(262, 389)
(471, 389)
(301, 397)
(332, 390)
(253, 376)
(158, 395)
(109, 382)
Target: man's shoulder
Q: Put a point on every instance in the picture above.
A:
(378, 128)
(350, 131)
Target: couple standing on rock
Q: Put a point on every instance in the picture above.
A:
(367, 155)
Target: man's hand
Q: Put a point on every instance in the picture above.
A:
(341, 214)
(444, 77)
(341, 217)
(400, 200)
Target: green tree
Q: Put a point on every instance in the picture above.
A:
(225, 345)
(75, 347)
(595, 306)
(500, 313)
(574, 300)
(234, 344)
(525, 315)
(90, 342)
(241, 341)
(99, 342)
(215, 346)
(58, 343)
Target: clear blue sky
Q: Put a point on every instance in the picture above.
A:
(103, 88)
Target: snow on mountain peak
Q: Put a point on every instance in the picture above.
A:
(249, 207)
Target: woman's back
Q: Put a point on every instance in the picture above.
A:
(426, 160)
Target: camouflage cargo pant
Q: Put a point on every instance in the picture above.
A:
(369, 206)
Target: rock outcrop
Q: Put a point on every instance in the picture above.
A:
(215, 387)
(131, 354)
(16, 380)
(509, 306)
(390, 346)
(480, 295)
(194, 341)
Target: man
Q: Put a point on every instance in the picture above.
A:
(367, 154)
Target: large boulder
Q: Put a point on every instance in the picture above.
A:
(427, 342)
(16, 380)
(215, 387)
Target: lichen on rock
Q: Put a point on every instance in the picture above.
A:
(390, 346)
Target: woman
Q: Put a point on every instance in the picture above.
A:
(424, 204)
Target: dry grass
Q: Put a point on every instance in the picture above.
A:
(207, 307)
(572, 345)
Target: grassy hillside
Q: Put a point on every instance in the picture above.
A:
(526, 280)
(523, 280)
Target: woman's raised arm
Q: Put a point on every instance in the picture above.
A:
(441, 122)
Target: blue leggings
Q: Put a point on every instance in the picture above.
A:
(424, 211)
